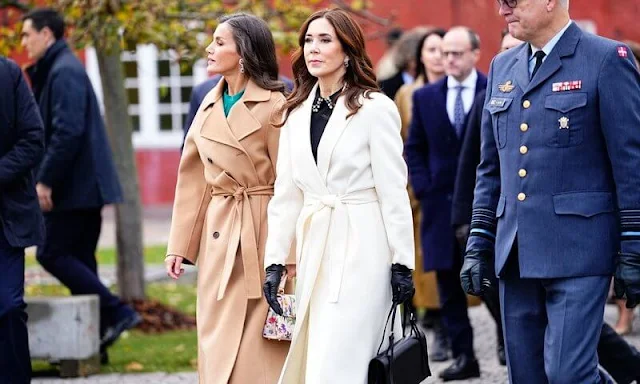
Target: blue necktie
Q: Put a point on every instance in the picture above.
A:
(458, 112)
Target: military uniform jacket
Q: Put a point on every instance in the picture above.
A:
(560, 158)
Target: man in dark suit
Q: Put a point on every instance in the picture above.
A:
(76, 177)
(557, 194)
(435, 135)
(21, 149)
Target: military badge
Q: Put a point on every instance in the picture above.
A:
(564, 122)
(566, 86)
(506, 87)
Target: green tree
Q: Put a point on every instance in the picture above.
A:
(183, 26)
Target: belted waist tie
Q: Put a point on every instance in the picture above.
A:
(243, 234)
(335, 222)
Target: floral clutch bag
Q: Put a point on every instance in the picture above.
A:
(278, 327)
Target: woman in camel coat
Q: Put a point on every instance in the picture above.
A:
(219, 223)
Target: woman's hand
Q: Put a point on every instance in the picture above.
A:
(291, 270)
(173, 264)
(273, 275)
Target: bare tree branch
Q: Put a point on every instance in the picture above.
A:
(365, 14)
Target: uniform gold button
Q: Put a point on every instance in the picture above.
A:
(524, 149)
(521, 196)
(526, 103)
(522, 172)
(524, 127)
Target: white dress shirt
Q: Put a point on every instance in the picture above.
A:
(468, 93)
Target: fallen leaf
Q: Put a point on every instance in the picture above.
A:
(134, 366)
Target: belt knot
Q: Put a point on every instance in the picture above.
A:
(329, 200)
(239, 193)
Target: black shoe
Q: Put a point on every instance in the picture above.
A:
(464, 367)
(113, 333)
(502, 356)
(104, 356)
(440, 349)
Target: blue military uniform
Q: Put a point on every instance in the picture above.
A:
(559, 168)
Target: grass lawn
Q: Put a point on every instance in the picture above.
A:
(107, 256)
(138, 352)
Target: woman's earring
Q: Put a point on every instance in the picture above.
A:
(241, 66)
(346, 63)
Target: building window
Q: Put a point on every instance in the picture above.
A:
(158, 88)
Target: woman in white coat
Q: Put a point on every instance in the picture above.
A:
(341, 192)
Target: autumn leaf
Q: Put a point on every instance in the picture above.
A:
(134, 366)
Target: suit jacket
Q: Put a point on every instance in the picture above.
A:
(432, 151)
(78, 163)
(21, 149)
(560, 158)
(462, 204)
(391, 85)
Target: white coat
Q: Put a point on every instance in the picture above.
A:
(351, 218)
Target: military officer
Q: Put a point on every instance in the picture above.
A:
(557, 191)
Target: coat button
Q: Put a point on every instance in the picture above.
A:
(524, 127)
(522, 172)
(521, 196)
(216, 234)
(526, 104)
(209, 160)
(524, 149)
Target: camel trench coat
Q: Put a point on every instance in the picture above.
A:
(225, 181)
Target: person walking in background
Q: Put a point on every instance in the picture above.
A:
(341, 191)
(430, 69)
(21, 225)
(386, 66)
(76, 177)
(404, 58)
(219, 221)
(462, 203)
(556, 200)
(432, 149)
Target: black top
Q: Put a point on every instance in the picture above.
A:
(320, 114)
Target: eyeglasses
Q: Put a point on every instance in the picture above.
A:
(509, 3)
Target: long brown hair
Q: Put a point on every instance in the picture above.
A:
(257, 49)
(359, 78)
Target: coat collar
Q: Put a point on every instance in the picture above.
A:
(240, 123)
(39, 71)
(566, 46)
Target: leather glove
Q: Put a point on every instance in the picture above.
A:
(271, 285)
(626, 280)
(462, 235)
(401, 283)
(476, 273)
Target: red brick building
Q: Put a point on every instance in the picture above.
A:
(159, 89)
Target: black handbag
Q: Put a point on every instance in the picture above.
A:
(405, 361)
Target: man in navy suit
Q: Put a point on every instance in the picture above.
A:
(21, 149)
(77, 176)
(556, 191)
(435, 135)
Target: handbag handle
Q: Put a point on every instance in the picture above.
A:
(283, 282)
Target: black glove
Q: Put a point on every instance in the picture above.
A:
(626, 280)
(462, 235)
(401, 283)
(477, 271)
(271, 285)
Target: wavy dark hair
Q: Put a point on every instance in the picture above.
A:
(257, 49)
(359, 78)
(420, 68)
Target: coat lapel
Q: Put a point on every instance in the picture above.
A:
(522, 67)
(566, 46)
(243, 123)
(212, 109)
(332, 132)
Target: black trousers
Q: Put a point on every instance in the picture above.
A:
(69, 254)
(453, 307)
(15, 361)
